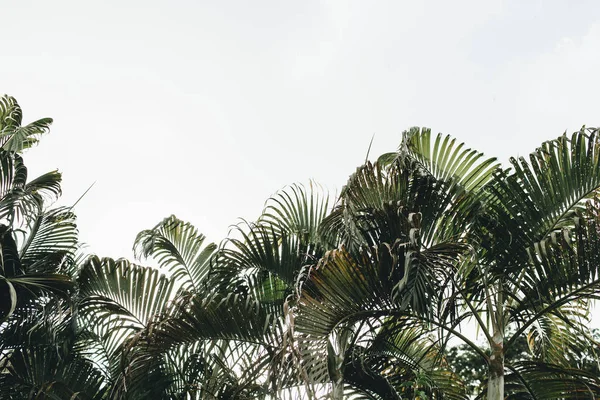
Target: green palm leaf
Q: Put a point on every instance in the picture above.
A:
(13, 136)
(217, 316)
(133, 294)
(401, 360)
(38, 373)
(51, 242)
(227, 342)
(179, 248)
(448, 161)
(19, 287)
(260, 251)
(297, 211)
(534, 380)
(543, 195)
(462, 174)
(118, 302)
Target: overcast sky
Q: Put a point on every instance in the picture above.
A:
(204, 109)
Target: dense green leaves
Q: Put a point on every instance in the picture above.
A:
(39, 373)
(37, 265)
(361, 300)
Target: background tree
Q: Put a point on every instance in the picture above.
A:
(463, 358)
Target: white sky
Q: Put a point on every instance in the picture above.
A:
(204, 109)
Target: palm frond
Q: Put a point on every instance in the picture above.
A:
(11, 114)
(462, 175)
(51, 242)
(402, 360)
(297, 211)
(449, 161)
(559, 337)
(13, 136)
(376, 196)
(388, 278)
(42, 321)
(38, 372)
(20, 287)
(542, 195)
(227, 342)
(370, 189)
(563, 268)
(217, 316)
(535, 380)
(15, 203)
(118, 290)
(260, 251)
(179, 248)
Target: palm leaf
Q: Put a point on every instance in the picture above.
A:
(20, 286)
(535, 380)
(449, 161)
(260, 249)
(179, 248)
(51, 242)
(240, 329)
(389, 278)
(217, 316)
(543, 195)
(462, 175)
(297, 211)
(120, 290)
(38, 373)
(13, 136)
(11, 114)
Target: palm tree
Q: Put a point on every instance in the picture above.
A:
(22, 211)
(362, 300)
(37, 265)
(233, 302)
(171, 332)
(434, 236)
(29, 262)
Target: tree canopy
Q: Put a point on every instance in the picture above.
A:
(362, 295)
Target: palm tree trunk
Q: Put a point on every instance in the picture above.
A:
(495, 389)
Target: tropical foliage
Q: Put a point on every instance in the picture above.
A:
(360, 296)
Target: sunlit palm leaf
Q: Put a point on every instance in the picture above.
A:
(559, 337)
